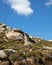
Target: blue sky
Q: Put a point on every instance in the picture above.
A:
(32, 16)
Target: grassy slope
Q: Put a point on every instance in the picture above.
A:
(37, 49)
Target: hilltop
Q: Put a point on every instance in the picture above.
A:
(20, 48)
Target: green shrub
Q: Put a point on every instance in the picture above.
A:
(13, 57)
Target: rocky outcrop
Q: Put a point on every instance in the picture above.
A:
(16, 34)
(4, 28)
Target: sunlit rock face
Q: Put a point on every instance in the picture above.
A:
(26, 42)
(14, 35)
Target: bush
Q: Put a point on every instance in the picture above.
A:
(13, 57)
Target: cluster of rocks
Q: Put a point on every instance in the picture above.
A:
(29, 61)
(16, 34)
(4, 28)
(3, 53)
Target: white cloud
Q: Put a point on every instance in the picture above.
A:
(48, 3)
(22, 7)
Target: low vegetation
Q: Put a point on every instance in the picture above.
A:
(36, 52)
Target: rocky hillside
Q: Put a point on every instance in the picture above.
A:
(19, 48)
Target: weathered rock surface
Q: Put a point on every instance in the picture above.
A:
(14, 35)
